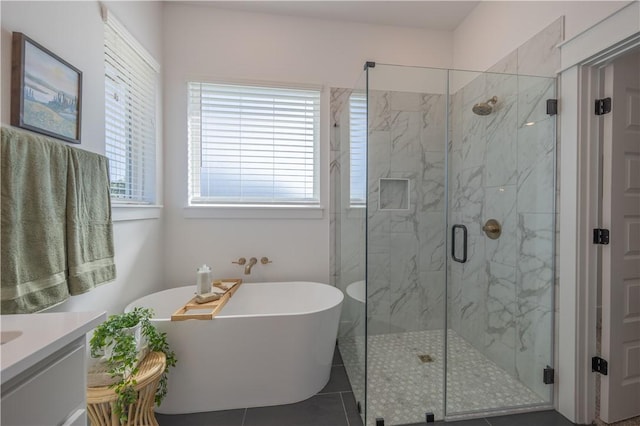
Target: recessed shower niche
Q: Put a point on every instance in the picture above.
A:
(394, 194)
(444, 149)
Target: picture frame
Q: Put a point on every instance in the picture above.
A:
(46, 91)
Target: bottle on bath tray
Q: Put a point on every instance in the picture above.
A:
(203, 283)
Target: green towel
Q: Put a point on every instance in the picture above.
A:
(33, 222)
(56, 231)
(89, 228)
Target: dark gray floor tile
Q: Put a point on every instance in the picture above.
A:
(319, 410)
(351, 409)
(546, 418)
(472, 422)
(211, 418)
(337, 358)
(338, 381)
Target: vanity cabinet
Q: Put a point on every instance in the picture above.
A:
(44, 369)
(51, 392)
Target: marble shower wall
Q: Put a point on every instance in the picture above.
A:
(406, 264)
(347, 241)
(502, 167)
(405, 246)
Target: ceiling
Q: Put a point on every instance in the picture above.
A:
(434, 15)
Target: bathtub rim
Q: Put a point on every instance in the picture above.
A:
(131, 305)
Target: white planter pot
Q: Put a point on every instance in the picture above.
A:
(97, 373)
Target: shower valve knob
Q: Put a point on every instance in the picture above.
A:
(493, 229)
(265, 260)
(240, 261)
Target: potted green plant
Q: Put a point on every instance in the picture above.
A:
(120, 342)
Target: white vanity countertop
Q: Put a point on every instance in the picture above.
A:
(42, 335)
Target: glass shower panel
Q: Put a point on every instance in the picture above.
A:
(501, 195)
(348, 182)
(405, 231)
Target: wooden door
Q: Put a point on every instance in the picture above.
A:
(620, 389)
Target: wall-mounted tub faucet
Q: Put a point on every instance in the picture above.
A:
(253, 261)
(247, 269)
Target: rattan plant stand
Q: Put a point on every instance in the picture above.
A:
(101, 400)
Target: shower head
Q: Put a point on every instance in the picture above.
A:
(485, 108)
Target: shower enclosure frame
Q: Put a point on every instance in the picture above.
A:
(447, 216)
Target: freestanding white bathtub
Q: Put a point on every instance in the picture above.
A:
(271, 344)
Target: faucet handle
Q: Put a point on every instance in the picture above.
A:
(240, 261)
(265, 260)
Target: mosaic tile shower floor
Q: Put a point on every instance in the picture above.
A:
(402, 387)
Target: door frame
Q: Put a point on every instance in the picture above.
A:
(582, 57)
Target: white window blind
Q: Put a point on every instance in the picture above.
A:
(253, 145)
(131, 80)
(357, 148)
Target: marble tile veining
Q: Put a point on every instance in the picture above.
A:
(540, 55)
(501, 149)
(431, 187)
(406, 150)
(508, 64)
(501, 205)
(535, 260)
(379, 111)
(533, 93)
(339, 97)
(536, 151)
(433, 116)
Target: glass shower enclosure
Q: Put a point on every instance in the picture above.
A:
(443, 242)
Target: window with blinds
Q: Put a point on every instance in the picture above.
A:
(357, 148)
(253, 145)
(131, 81)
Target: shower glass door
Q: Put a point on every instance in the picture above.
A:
(501, 205)
(348, 140)
(406, 239)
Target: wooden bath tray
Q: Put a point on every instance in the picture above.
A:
(207, 310)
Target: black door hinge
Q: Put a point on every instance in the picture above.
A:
(359, 407)
(548, 375)
(599, 365)
(603, 106)
(552, 106)
(601, 236)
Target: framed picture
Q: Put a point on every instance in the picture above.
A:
(46, 91)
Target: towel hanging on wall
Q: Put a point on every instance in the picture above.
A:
(56, 231)
(33, 204)
(89, 227)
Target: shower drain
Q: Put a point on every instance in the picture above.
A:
(425, 358)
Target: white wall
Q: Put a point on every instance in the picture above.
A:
(495, 28)
(209, 43)
(74, 31)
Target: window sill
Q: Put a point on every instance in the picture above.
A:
(253, 212)
(125, 212)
